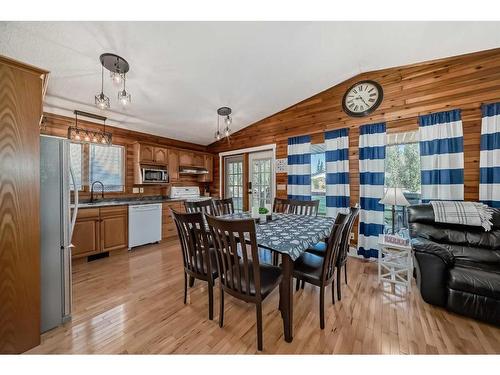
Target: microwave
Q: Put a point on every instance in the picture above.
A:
(154, 176)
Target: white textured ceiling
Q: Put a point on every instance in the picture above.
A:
(181, 72)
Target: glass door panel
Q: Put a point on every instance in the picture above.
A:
(234, 180)
(260, 178)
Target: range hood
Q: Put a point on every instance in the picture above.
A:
(193, 170)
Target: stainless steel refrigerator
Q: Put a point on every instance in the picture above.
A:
(56, 228)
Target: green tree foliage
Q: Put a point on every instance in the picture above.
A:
(403, 167)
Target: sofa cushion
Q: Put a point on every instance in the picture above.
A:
(475, 281)
(476, 257)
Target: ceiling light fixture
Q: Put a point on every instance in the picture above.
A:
(118, 68)
(77, 134)
(223, 112)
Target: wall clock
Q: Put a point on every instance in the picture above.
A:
(362, 98)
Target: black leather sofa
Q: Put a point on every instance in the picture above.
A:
(457, 267)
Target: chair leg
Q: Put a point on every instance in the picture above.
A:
(333, 291)
(191, 281)
(185, 287)
(322, 307)
(210, 301)
(339, 293)
(345, 273)
(303, 284)
(221, 310)
(297, 285)
(258, 307)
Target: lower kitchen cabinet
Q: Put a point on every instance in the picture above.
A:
(169, 230)
(100, 230)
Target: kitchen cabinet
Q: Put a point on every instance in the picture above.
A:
(208, 162)
(100, 230)
(160, 155)
(185, 158)
(146, 153)
(114, 228)
(173, 165)
(168, 228)
(86, 233)
(198, 160)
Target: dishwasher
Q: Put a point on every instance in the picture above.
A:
(144, 224)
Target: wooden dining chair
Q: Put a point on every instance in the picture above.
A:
(241, 274)
(281, 205)
(309, 208)
(224, 206)
(205, 206)
(319, 270)
(320, 248)
(198, 259)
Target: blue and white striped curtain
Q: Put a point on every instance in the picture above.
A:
(337, 171)
(299, 168)
(442, 156)
(489, 160)
(372, 141)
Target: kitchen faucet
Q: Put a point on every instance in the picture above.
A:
(92, 190)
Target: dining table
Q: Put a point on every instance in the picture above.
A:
(289, 235)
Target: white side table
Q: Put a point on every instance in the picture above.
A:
(395, 263)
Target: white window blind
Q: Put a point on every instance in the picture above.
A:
(107, 166)
(75, 159)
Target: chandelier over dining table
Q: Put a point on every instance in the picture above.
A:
(118, 68)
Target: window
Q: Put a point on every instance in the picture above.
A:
(318, 176)
(107, 166)
(402, 169)
(234, 181)
(76, 162)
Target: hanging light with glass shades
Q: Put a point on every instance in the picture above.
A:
(77, 134)
(226, 113)
(118, 68)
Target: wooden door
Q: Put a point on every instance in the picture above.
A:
(146, 153)
(114, 228)
(185, 158)
(86, 237)
(160, 155)
(198, 160)
(20, 109)
(173, 165)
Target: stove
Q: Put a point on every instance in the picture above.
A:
(189, 193)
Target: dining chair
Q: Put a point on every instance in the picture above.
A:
(224, 206)
(198, 258)
(205, 206)
(319, 248)
(241, 274)
(281, 205)
(318, 270)
(309, 208)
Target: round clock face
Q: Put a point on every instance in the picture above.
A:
(362, 98)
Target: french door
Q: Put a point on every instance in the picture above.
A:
(260, 179)
(233, 183)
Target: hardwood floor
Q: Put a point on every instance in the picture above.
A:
(133, 303)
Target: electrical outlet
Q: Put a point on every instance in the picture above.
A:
(135, 190)
(141, 190)
(351, 237)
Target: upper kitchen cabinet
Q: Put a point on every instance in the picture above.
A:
(160, 155)
(146, 153)
(185, 158)
(173, 165)
(208, 161)
(149, 154)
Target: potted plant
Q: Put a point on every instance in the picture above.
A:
(263, 214)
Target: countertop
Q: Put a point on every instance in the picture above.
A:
(130, 201)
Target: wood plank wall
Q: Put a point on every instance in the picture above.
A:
(57, 125)
(462, 82)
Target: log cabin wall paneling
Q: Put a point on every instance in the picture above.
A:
(463, 82)
(57, 125)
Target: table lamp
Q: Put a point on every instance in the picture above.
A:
(394, 197)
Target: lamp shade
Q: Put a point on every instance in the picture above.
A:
(394, 197)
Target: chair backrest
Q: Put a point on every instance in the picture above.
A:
(333, 247)
(204, 206)
(346, 233)
(281, 205)
(224, 206)
(236, 248)
(194, 241)
(309, 208)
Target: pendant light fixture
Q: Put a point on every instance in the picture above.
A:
(77, 134)
(226, 113)
(118, 68)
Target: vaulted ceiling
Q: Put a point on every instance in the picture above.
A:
(181, 72)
